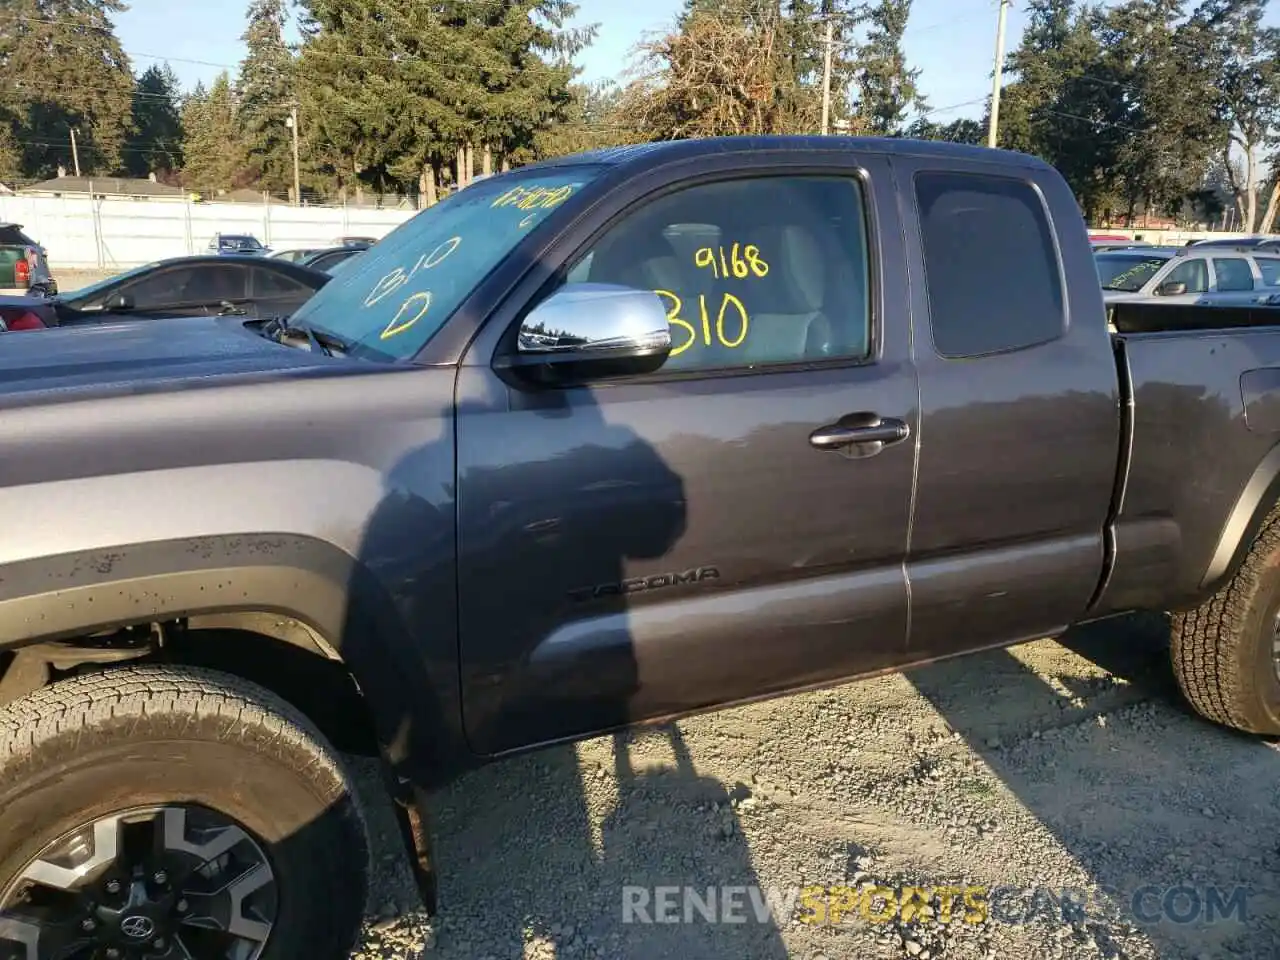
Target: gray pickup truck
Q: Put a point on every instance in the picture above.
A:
(600, 441)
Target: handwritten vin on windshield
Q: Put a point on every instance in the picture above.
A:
(530, 202)
(416, 305)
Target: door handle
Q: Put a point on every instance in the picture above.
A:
(868, 431)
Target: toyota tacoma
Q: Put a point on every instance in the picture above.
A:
(601, 441)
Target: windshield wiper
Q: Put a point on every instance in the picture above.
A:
(319, 340)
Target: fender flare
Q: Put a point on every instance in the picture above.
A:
(1256, 502)
(309, 580)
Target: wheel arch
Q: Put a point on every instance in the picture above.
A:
(1258, 501)
(291, 590)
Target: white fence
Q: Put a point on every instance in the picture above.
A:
(111, 232)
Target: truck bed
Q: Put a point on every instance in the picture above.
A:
(1200, 446)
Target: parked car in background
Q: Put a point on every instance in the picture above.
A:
(1217, 276)
(1258, 243)
(355, 241)
(24, 266)
(329, 258)
(1101, 245)
(296, 255)
(184, 286)
(239, 244)
(1127, 269)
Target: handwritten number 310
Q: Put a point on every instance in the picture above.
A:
(728, 300)
(415, 306)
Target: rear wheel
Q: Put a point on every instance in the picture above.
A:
(151, 813)
(1226, 652)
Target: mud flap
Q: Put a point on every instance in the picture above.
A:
(410, 804)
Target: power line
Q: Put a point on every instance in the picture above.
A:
(953, 106)
(1090, 120)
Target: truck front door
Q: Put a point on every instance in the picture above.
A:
(641, 548)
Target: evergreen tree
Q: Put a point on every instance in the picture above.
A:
(211, 147)
(529, 51)
(1161, 72)
(354, 90)
(1066, 104)
(964, 130)
(64, 69)
(888, 90)
(155, 146)
(394, 91)
(10, 152)
(265, 92)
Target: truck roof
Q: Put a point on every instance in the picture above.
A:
(653, 154)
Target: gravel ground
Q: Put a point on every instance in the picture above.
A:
(1050, 765)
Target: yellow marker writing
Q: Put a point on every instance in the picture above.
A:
(738, 261)
(398, 323)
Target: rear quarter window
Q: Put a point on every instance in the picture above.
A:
(991, 266)
(1269, 267)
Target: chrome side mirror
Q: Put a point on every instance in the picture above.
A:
(593, 330)
(1172, 288)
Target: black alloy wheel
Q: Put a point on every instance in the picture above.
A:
(177, 882)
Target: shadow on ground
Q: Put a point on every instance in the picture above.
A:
(1158, 807)
(540, 854)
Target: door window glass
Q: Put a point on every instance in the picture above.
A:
(1269, 267)
(753, 272)
(1194, 273)
(1233, 274)
(183, 285)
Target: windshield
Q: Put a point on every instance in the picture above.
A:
(386, 303)
(1127, 271)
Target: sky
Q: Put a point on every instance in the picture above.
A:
(951, 41)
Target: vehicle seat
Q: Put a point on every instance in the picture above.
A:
(642, 259)
(787, 307)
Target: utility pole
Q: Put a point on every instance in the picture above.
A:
(828, 43)
(75, 154)
(998, 75)
(292, 123)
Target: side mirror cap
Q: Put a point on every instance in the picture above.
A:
(119, 301)
(1174, 288)
(587, 331)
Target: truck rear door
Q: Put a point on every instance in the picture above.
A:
(1019, 404)
(710, 532)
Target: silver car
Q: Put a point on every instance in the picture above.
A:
(1213, 276)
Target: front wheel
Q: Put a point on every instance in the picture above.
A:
(158, 813)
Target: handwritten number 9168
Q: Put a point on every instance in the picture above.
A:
(730, 263)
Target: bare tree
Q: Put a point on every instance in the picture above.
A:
(721, 77)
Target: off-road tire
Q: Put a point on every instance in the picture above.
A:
(1223, 650)
(90, 746)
